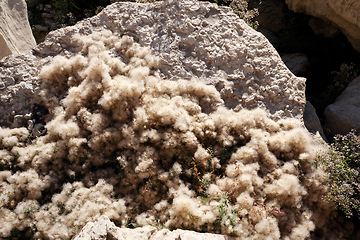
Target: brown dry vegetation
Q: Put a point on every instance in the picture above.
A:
(142, 150)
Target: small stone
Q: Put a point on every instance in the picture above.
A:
(47, 15)
(41, 28)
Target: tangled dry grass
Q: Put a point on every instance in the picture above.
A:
(124, 143)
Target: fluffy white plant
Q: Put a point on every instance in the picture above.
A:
(123, 142)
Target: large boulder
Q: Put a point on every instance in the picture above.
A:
(343, 15)
(344, 114)
(15, 33)
(194, 40)
(103, 229)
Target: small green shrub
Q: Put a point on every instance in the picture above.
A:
(240, 7)
(342, 164)
(341, 80)
(70, 11)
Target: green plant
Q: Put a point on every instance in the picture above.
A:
(296, 35)
(28, 210)
(203, 183)
(68, 12)
(130, 224)
(61, 207)
(224, 204)
(341, 80)
(240, 7)
(342, 164)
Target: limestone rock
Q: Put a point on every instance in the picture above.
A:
(104, 229)
(15, 32)
(194, 40)
(344, 114)
(18, 89)
(345, 15)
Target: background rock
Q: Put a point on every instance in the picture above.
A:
(195, 40)
(343, 14)
(104, 229)
(344, 114)
(270, 14)
(296, 62)
(325, 28)
(15, 33)
(312, 122)
(33, 3)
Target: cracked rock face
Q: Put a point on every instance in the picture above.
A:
(194, 40)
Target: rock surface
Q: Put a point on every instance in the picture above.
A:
(345, 15)
(195, 40)
(270, 14)
(312, 122)
(296, 62)
(15, 32)
(104, 229)
(325, 28)
(344, 114)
